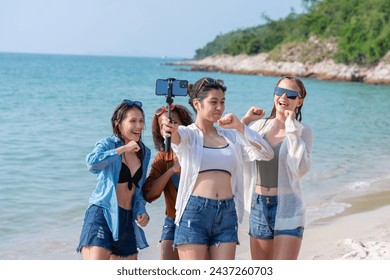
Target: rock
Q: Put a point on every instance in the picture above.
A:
(260, 64)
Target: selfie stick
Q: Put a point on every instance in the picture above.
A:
(169, 103)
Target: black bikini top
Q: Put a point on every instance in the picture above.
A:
(125, 176)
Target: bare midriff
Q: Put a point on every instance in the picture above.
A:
(124, 195)
(266, 191)
(213, 185)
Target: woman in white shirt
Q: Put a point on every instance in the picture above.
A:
(277, 213)
(210, 199)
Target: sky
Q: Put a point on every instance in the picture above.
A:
(149, 28)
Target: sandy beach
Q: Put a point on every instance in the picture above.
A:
(361, 232)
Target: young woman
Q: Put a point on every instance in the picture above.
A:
(120, 162)
(164, 176)
(277, 213)
(210, 198)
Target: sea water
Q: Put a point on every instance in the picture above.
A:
(53, 108)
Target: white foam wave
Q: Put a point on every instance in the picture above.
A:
(325, 210)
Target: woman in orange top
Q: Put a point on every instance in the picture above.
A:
(164, 177)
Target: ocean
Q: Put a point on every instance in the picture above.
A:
(54, 108)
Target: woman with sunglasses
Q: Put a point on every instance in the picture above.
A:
(111, 228)
(210, 199)
(164, 176)
(276, 220)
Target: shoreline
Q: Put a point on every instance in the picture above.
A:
(360, 232)
(260, 65)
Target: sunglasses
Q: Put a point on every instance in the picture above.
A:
(291, 94)
(211, 82)
(132, 103)
(163, 109)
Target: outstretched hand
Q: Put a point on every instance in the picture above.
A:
(167, 127)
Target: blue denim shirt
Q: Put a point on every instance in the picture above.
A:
(106, 163)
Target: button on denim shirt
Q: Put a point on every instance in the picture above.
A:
(106, 163)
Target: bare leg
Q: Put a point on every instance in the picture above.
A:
(193, 252)
(167, 251)
(223, 251)
(95, 253)
(286, 247)
(132, 257)
(261, 249)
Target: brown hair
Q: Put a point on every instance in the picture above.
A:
(302, 95)
(185, 117)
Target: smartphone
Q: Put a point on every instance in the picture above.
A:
(179, 87)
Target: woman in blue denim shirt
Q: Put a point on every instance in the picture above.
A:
(111, 228)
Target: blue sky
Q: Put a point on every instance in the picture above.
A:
(172, 28)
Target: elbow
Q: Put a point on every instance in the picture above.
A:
(149, 198)
(267, 154)
(92, 169)
(304, 168)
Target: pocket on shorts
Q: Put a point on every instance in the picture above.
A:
(194, 205)
(254, 202)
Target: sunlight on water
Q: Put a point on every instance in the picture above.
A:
(54, 108)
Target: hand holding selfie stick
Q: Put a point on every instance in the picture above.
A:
(170, 88)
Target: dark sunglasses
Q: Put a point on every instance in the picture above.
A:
(163, 109)
(211, 82)
(291, 94)
(132, 103)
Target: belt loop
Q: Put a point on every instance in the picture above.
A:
(258, 198)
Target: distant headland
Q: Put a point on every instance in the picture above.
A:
(260, 64)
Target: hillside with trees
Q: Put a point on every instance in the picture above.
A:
(346, 31)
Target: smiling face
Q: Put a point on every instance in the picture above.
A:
(212, 107)
(283, 103)
(132, 126)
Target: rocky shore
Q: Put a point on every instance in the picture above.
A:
(261, 65)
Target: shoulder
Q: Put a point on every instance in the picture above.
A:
(109, 141)
(190, 130)
(145, 148)
(161, 155)
(191, 127)
(259, 124)
(306, 126)
(230, 133)
(306, 129)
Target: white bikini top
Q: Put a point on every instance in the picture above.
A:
(220, 159)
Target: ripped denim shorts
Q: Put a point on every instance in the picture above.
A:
(207, 221)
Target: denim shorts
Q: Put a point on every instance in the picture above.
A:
(207, 221)
(168, 232)
(95, 232)
(262, 219)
